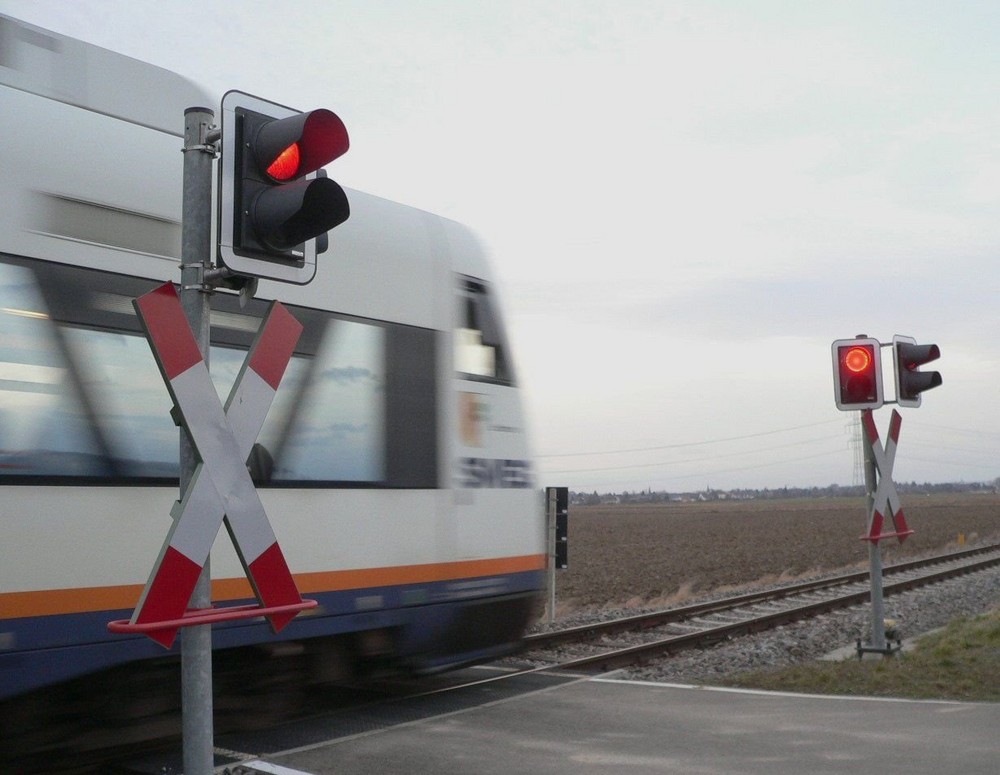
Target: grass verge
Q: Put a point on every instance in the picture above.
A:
(959, 662)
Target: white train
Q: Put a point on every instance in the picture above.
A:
(399, 481)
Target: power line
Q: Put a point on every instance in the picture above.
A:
(701, 459)
(729, 470)
(985, 466)
(689, 443)
(994, 434)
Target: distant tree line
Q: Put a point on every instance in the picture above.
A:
(830, 491)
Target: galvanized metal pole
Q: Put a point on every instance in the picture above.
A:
(874, 554)
(196, 258)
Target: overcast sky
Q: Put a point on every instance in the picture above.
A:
(686, 202)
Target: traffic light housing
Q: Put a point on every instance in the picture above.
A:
(907, 357)
(857, 373)
(559, 496)
(275, 203)
(562, 528)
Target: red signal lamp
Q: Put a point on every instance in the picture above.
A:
(286, 166)
(288, 149)
(858, 359)
(857, 373)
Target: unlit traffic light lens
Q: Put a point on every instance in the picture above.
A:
(908, 357)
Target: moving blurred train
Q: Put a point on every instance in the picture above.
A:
(397, 479)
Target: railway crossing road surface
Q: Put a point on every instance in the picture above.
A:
(609, 726)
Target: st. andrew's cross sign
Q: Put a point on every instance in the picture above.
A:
(221, 487)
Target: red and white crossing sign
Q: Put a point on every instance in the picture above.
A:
(221, 487)
(886, 500)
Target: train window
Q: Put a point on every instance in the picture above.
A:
(330, 425)
(81, 398)
(44, 428)
(480, 352)
(130, 403)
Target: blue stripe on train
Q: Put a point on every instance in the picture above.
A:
(437, 625)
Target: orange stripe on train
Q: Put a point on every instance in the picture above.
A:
(86, 599)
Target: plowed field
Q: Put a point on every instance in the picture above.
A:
(657, 554)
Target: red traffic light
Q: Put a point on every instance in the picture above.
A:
(857, 374)
(275, 203)
(286, 149)
(858, 359)
(286, 165)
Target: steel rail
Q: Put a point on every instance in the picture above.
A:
(625, 657)
(682, 613)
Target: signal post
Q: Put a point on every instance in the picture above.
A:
(557, 530)
(275, 209)
(858, 385)
(197, 724)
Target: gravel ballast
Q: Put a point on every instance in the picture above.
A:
(916, 612)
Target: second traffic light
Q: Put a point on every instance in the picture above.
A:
(272, 207)
(907, 356)
(857, 373)
(557, 499)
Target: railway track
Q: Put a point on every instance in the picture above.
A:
(664, 632)
(703, 624)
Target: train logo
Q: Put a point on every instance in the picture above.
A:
(472, 412)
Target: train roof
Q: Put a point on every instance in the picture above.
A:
(83, 75)
(88, 183)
